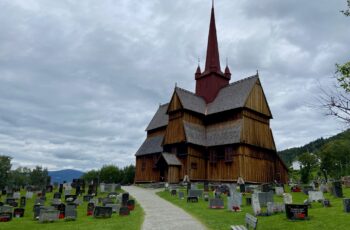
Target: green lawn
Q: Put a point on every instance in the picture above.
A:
(83, 222)
(320, 218)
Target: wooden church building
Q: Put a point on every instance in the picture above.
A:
(219, 133)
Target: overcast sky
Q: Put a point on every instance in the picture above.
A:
(80, 80)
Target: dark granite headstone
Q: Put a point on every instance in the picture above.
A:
(346, 204)
(296, 211)
(248, 201)
(131, 204)
(62, 210)
(206, 186)
(23, 201)
(60, 190)
(181, 195)
(195, 192)
(5, 216)
(103, 212)
(125, 198)
(188, 186)
(124, 211)
(77, 190)
(216, 203)
(57, 195)
(337, 189)
(173, 192)
(49, 188)
(90, 209)
(18, 212)
(326, 203)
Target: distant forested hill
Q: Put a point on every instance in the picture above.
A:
(290, 155)
(64, 175)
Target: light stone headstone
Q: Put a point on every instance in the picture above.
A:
(29, 195)
(279, 191)
(256, 204)
(323, 188)
(265, 197)
(181, 195)
(115, 207)
(16, 195)
(315, 196)
(287, 198)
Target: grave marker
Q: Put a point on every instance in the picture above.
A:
(181, 195)
(102, 212)
(131, 204)
(57, 195)
(62, 210)
(195, 193)
(71, 212)
(346, 204)
(287, 198)
(36, 211)
(256, 204)
(265, 197)
(18, 212)
(29, 195)
(124, 211)
(279, 191)
(6, 213)
(326, 203)
(87, 198)
(16, 195)
(216, 203)
(90, 209)
(296, 211)
(273, 208)
(23, 201)
(315, 196)
(337, 189)
(125, 198)
(48, 215)
(115, 207)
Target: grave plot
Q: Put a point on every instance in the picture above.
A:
(103, 212)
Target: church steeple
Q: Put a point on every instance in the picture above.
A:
(211, 81)
(212, 63)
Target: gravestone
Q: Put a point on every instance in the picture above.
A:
(265, 197)
(173, 192)
(256, 204)
(18, 212)
(77, 202)
(102, 212)
(194, 186)
(188, 186)
(6, 213)
(125, 198)
(49, 188)
(57, 195)
(16, 195)
(216, 203)
(36, 211)
(87, 198)
(233, 203)
(48, 215)
(62, 210)
(273, 208)
(232, 189)
(70, 198)
(12, 202)
(296, 211)
(23, 201)
(67, 192)
(124, 211)
(279, 191)
(308, 203)
(315, 196)
(181, 195)
(115, 207)
(102, 187)
(90, 209)
(29, 195)
(337, 189)
(287, 198)
(346, 204)
(326, 203)
(60, 190)
(55, 202)
(266, 188)
(131, 204)
(112, 195)
(106, 200)
(248, 201)
(195, 193)
(77, 190)
(71, 212)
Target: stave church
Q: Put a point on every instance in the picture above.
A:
(218, 133)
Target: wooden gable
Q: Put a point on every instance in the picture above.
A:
(175, 103)
(257, 100)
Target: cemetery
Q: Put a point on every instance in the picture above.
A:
(228, 208)
(70, 209)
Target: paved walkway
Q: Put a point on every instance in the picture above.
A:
(160, 214)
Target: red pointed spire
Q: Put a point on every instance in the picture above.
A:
(198, 72)
(227, 72)
(213, 59)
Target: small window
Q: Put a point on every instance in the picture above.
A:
(193, 165)
(173, 149)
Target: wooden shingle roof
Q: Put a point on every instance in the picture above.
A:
(160, 118)
(213, 135)
(191, 101)
(171, 159)
(151, 145)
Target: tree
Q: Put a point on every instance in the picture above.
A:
(128, 174)
(337, 102)
(308, 162)
(5, 167)
(110, 174)
(39, 177)
(89, 176)
(19, 177)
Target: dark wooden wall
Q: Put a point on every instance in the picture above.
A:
(148, 173)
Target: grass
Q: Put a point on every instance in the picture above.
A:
(83, 222)
(320, 217)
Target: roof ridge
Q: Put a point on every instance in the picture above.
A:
(187, 91)
(244, 79)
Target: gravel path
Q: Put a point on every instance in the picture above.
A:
(160, 214)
